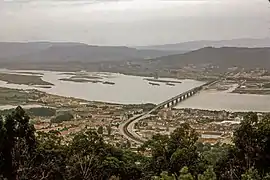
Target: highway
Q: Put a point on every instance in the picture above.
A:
(127, 127)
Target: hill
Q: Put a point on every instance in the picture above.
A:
(45, 52)
(194, 45)
(222, 58)
(76, 58)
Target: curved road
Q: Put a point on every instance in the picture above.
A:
(127, 128)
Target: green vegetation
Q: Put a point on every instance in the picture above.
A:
(267, 85)
(23, 79)
(100, 130)
(145, 107)
(15, 96)
(82, 78)
(25, 154)
(41, 111)
(66, 116)
(36, 111)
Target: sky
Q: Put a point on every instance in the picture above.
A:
(133, 22)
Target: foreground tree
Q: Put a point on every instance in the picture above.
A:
(18, 144)
(91, 158)
(251, 149)
(173, 153)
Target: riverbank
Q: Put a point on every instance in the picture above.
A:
(74, 68)
(43, 108)
(115, 88)
(23, 79)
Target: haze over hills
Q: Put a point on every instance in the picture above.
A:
(78, 56)
(66, 52)
(217, 59)
(194, 45)
(225, 57)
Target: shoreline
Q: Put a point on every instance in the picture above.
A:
(84, 102)
(138, 74)
(106, 101)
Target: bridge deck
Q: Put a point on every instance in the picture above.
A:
(195, 90)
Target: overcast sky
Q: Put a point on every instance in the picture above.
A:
(133, 22)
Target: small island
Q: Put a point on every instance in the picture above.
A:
(154, 84)
(107, 82)
(80, 80)
(163, 81)
(170, 84)
(23, 79)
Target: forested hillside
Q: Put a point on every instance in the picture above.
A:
(26, 154)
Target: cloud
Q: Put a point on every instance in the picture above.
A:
(135, 22)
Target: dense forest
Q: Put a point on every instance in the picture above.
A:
(27, 154)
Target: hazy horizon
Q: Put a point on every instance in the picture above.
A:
(132, 22)
(134, 46)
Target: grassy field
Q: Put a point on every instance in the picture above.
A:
(14, 96)
(23, 79)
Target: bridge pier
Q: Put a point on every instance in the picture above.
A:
(174, 101)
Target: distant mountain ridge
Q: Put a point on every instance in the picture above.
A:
(225, 57)
(77, 56)
(194, 45)
(66, 52)
(213, 59)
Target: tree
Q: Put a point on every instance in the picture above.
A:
(251, 174)
(89, 157)
(62, 117)
(47, 156)
(212, 153)
(42, 111)
(164, 176)
(185, 175)
(100, 130)
(172, 153)
(252, 140)
(128, 144)
(50, 157)
(85, 153)
(209, 174)
(109, 130)
(251, 149)
(18, 144)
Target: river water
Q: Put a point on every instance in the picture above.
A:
(137, 90)
(227, 101)
(126, 90)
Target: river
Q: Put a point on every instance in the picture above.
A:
(227, 101)
(126, 90)
(136, 90)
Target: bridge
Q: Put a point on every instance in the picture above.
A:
(127, 128)
(181, 97)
